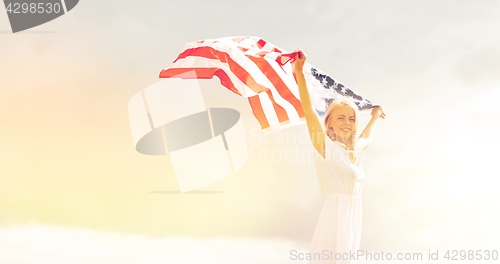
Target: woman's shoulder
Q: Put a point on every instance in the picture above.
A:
(334, 150)
(334, 143)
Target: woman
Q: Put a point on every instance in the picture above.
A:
(340, 175)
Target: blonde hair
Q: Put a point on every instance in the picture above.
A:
(351, 142)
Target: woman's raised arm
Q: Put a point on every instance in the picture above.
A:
(314, 127)
(365, 138)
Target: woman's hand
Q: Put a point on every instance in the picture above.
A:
(378, 111)
(300, 59)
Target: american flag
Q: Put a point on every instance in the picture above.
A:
(256, 69)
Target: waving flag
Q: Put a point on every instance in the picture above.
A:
(254, 68)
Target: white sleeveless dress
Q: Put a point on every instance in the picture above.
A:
(339, 226)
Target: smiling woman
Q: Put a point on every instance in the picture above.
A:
(344, 122)
(340, 176)
(341, 125)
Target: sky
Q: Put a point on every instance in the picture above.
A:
(68, 166)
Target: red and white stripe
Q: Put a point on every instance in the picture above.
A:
(248, 66)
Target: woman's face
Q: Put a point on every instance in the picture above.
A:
(342, 121)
